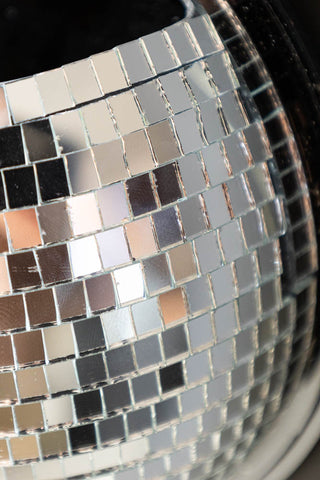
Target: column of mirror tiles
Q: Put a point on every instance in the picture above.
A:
(238, 380)
(282, 142)
(110, 71)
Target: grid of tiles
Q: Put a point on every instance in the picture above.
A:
(192, 324)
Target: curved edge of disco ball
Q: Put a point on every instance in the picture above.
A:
(290, 438)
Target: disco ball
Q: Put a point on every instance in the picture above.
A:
(158, 264)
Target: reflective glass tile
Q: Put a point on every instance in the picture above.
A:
(39, 140)
(252, 227)
(54, 91)
(111, 430)
(232, 110)
(198, 82)
(24, 99)
(146, 316)
(237, 152)
(197, 368)
(187, 125)
(176, 91)
(182, 262)
(192, 216)
(29, 417)
(113, 247)
(205, 34)
(139, 420)
(82, 437)
(151, 101)
(147, 354)
(82, 171)
(249, 308)
(88, 405)
(69, 131)
(222, 356)
(89, 334)
(120, 361)
(245, 344)
(200, 331)
(54, 222)
(217, 206)
(6, 354)
(59, 342)
(171, 377)
(53, 444)
(84, 256)
(192, 174)
(174, 341)
(41, 307)
(21, 187)
(116, 396)
(23, 227)
(232, 241)
(156, 273)
(54, 264)
(71, 300)
(255, 138)
(159, 52)
(182, 42)
(167, 227)
(225, 322)
(246, 272)
(145, 387)
(113, 204)
(172, 306)
(52, 179)
(141, 238)
(167, 411)
(138, 153)
(8, 391)
(224, 285)
(260, 183)
(212, 121)
(82, 81)
(222, 72)
(31, 382)
(274, 218)
(23, 270)
(24, 448)
(6, 421)
(100, 292)
(77, 465)
(129, 283)
(61, 377)
(29, 347)
(163, 141)
(141, 194)
(109, 72)
(110, 162)
(118, 326)
(12, 314)
(216, 163)
(126, 113)
(58, 411)
(99, 123)
(198, 295)
(83, 214)
(135, 62)
(91, 369)
(167, 184)
(11, 147)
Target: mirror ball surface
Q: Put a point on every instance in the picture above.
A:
(157, 260)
